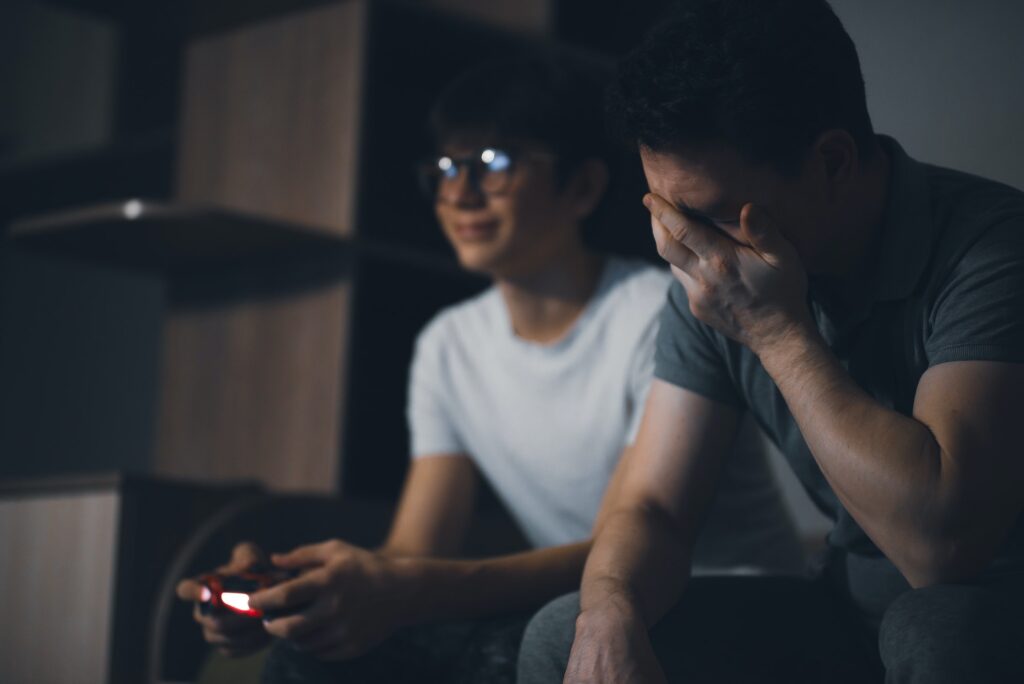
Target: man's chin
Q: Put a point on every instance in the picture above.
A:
(479, 261)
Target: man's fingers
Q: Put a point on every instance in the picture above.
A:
(306, 556)
(689, 284)
(232, 635)
(760, 231)
(223, 622)
(672, 251)
(299, 627)
(701, 239)
(287, 595)
(189, 590)
(244, 556)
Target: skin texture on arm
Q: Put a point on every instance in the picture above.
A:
(431, 523)
(645, 533)
(937, 491)
(435, 507)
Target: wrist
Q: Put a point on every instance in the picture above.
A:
(614, 618)
(405, 580)
(783, 340)
(607, 599)
(425, 588)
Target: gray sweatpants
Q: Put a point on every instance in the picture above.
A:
(858, 627)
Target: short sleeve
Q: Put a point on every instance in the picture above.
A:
(688, 355)
(979, 313)
(431, 428)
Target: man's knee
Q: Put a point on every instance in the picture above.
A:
(951, 633)
(544, 653)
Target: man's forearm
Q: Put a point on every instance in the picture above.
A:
(441, 589)
(640, 558)
(885, 467)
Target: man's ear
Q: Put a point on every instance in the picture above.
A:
(587, 186)
(836, 157)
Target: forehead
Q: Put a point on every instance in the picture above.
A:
(711, 173)
(472, 141)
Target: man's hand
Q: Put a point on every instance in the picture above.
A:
(753, 288)
(612, 647)
(233, 635)
(346, 600)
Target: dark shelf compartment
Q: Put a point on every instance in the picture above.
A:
(171, 239)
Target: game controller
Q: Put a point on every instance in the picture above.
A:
(231, 592)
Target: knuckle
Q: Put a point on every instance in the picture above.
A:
(340, 565)
(720, 265)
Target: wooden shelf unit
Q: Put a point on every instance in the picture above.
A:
(298, 256)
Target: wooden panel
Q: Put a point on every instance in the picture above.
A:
(270, 117)
(254, 391)
(56, 599)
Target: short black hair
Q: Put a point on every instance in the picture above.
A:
(764, 76)
(552, 96)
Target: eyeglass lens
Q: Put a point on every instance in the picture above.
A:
(490, 169)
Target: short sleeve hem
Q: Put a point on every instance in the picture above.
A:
(680, 377)
(977, 352)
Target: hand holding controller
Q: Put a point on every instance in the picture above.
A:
(232, 632)
(231, 591)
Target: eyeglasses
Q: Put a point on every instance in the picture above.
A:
(490, 171)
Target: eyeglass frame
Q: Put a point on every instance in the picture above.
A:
(431, 179)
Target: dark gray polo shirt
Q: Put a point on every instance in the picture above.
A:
(945, 283)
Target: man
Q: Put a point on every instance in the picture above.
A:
(868, 310)
(536, 384)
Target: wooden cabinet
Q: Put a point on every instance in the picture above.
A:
(270, 118)
(299, 258)
(82, 564)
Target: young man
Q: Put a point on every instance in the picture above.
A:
(536, 384)
(869, 311)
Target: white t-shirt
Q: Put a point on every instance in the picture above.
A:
(546, 423)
